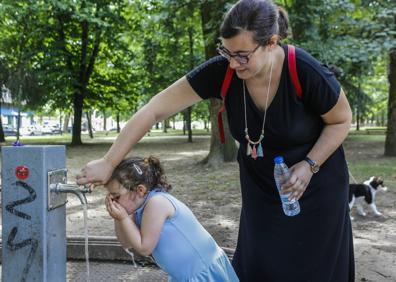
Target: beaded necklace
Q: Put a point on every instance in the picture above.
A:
(251, 145)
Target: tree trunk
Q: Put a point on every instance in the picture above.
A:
(184, 122)
(89, 121)
(104, 121)
(192, 63)
(211, 14)
(383, 116)
(358, 109)
(164, 126)
(78, 107)
(118, 122)
(18, 134)
(2, 137)
(60, 123)
(215, 156)
(66, 123)
(188, 124)
(390, 141)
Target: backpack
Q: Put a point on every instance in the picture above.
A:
(291, 58)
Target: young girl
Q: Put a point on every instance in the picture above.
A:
(151, 221)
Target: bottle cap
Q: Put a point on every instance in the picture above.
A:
(278, 160)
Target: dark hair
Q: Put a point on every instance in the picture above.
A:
(262, 17)
(147, 171)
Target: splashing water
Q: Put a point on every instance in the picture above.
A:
(132, 255)
(86, 238)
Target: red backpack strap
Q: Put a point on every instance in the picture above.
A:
(291, 58)
(223, 93)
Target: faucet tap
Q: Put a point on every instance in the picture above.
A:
(72, 188)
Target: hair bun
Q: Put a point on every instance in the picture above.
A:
(283, 23)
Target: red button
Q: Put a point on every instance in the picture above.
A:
(22, 172)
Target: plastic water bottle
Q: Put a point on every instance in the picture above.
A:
(282, 175)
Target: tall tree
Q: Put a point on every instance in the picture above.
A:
(212, 12)
(69, 37)
(19, 42)
(390, 142)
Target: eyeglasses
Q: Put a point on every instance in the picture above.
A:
(242, 59)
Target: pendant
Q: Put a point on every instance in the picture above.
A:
(254, 152)
(248, 150)
(260, 151)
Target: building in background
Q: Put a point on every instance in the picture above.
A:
(9, 112)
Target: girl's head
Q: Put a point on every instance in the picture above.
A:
(250, 30)
(135, 171)
(133, 178)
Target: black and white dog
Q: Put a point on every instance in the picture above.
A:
(366, 192)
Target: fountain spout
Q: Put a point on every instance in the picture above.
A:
(72, 188)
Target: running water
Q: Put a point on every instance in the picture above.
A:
(132, 255)
(86, 238)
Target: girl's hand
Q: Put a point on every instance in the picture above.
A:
(96, 172)
(115, 210)
(300, 177)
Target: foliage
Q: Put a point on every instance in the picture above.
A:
(114, 55)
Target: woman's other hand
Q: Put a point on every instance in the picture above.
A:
(299, 179)
(96, 172)
(116, 211)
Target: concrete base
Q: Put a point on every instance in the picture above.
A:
(105, 248)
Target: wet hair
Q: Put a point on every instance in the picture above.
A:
(134, 171)
(262, 17)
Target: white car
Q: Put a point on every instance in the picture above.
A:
(46, 129)
(31, 130)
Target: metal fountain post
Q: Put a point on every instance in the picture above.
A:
(34, 196)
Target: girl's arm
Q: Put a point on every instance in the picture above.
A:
(173, 99)
(157, 210)
(337, 123)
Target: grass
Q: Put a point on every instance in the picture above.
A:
(365, 156)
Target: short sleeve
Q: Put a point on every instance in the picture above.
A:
(207, 78)
(321, 89)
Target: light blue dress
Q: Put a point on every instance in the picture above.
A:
(185, 250)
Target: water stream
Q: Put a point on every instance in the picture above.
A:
(132, 256)
(86, 238)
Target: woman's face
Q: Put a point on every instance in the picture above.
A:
(243, 44)
(126, 198)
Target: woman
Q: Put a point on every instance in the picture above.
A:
(264, 113)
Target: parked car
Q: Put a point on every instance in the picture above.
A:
(31, 130)
(47, 130)
(9, 130)
(55, 129)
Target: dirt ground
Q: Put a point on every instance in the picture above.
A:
(214, 196)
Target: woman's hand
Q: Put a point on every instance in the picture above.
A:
(300, 177)
(116, 211)
(96, 172)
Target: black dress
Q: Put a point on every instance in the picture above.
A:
(315, 245)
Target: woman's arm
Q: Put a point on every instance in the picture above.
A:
(157, 210)
(173, 99)
(337, 123)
